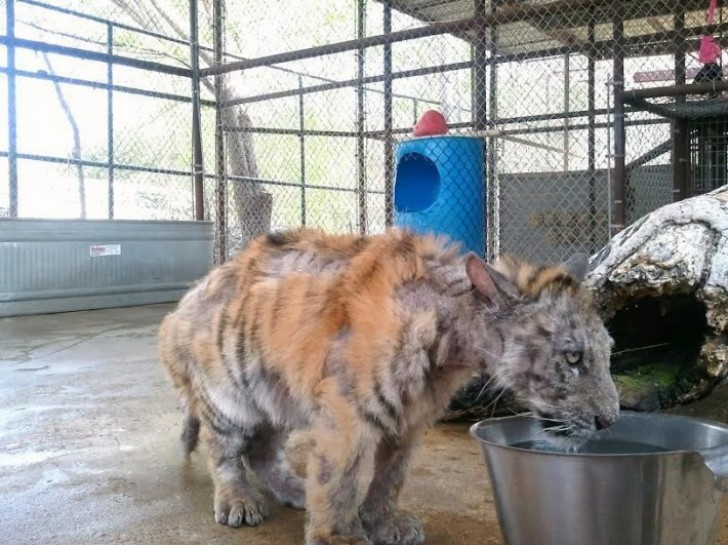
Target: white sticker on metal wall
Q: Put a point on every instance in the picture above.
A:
(105, 250)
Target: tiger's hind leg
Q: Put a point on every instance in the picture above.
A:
(190, 433)
(237, 501)
(177, 369)
(229, 440)
(268, 460)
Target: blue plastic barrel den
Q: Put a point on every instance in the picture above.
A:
(439, 188)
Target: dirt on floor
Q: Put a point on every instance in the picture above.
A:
(89, 450)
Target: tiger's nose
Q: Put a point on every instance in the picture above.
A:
(603, 422)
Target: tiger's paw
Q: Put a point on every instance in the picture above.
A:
(291, 494)
(402, 528)
(235, 508)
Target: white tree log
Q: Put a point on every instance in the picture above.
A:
(681, 248)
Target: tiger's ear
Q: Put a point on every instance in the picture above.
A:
(489, 283)
(577, 266)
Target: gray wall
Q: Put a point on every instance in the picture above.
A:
(48, 266)
(546, 216)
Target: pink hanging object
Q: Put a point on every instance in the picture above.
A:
(709, 50)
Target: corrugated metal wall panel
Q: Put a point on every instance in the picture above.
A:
(47, 266)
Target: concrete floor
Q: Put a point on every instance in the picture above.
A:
(89, 451)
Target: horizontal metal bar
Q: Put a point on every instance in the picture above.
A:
(328, 80)
(526, 130)
(518, 12)
(581, 126)
(298, 185)
(506, 121)
(547, 117)
(292, 132)
(88, 17)
(139, 168)
(70, 230)
(85, 54)
(103, 85)
(663, 42)
(95, 164)
(340, 47)
(344, 189)
(351, 83)
(675, 90)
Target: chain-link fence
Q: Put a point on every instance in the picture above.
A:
(97, 99)
(568, 119)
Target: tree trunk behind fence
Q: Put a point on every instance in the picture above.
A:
(252, 204)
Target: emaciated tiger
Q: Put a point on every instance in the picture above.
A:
(362, 341)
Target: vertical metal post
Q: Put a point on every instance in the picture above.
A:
(492, 155)
(680, 48)
(480, 68)
(220, 178)
(12, 110)
(415, 118)
(619, 216)
(302, 145)
(680, 159)
(197, 167)
(591, 137)
(680, 138)
(388, 142)
(110, 117)
(567, 104)
(361, 118)
(480, 105)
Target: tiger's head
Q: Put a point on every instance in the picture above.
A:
(555, 349)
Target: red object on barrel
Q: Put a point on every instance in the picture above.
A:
(431, 123)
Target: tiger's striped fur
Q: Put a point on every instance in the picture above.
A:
(362, 341)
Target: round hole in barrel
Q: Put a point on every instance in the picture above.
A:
(417, 183)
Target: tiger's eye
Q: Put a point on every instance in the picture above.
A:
(573, 358)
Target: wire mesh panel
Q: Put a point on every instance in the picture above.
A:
(708, 154)
(258, 117)
(101, 106)
(328, 118)
(674, 129)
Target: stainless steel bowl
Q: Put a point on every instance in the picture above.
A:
(651, 479)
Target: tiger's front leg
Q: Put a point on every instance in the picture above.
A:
(384, 523)
(335, 481)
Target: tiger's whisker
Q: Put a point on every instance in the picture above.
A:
(637, 349)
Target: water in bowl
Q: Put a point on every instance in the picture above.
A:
(601, 446)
